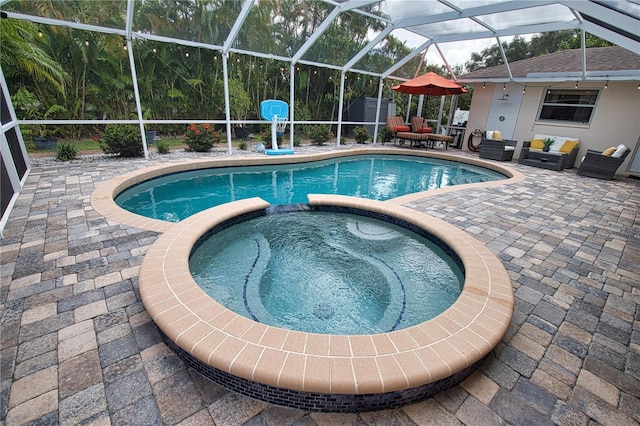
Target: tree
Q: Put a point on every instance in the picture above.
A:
(540, 44)
(492, 56)
(23, 54)
(553, 41)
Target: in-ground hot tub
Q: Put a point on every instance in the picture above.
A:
(326, 372)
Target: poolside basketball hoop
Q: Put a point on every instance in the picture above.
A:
(277, 112)
(280, 124)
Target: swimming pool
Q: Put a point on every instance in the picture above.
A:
(312, 371)
(177, 196)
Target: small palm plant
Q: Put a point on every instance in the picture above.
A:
(547, 144)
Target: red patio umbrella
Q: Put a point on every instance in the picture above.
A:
(430, 84)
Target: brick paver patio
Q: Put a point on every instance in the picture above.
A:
(77, 346)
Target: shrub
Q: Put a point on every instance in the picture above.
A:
(123, 140)
(361, 134)
(162, 147)
(66, 152)
(384, 134)
(319, 134)
(200, 137)
(266, 137)
(242, 145)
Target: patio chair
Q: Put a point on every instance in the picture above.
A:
(396, 124)
(499, 150)
(419, 125)
(600, 165)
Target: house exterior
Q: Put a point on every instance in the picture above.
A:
(594, 97)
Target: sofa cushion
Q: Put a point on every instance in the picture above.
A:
(619, 151)
(497, 135)
(401, 129)
(559, 141)
(609, 151)
(537, 144)
(568, 146)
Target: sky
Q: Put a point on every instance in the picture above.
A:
(457, 53)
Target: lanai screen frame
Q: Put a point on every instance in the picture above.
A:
(616, 22)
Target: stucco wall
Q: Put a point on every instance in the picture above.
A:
(616, 118)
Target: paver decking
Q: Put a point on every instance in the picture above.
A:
(77, 345)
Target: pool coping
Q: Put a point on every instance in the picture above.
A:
(102, 198)
(343, 364)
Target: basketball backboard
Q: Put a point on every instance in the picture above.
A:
(274, 107)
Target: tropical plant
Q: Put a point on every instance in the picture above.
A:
(200, 137)
(162, 147)
(265, 136)
(66, 152)
(29, 107)
(547, 142)
(319, 134)
(123, 140)
(23, 54)
(361, 134)
(242, 146)
(384, 134)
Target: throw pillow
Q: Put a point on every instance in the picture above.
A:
(568, 146)
(537, 144)
(402, 129)
(619, 151)
(609, 151)
(489, 134)
(497, 135)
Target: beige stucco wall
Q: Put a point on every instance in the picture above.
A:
(616, 118)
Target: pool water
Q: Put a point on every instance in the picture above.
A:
(330, 273)
(379, 177)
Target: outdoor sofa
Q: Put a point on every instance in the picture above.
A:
(561, 155)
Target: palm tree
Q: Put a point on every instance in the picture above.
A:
(22, 54)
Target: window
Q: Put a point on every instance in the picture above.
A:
(574, 106)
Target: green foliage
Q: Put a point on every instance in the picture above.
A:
(123, 140)
(540, 44)
(242, 145)
(384, 134)
(301, 113)
(23, 55)
(265, 136)
(239, 100)
(319, 134)
(361, 134)
(66, 152)
(200, 137)
(162, 147)
(29, 107)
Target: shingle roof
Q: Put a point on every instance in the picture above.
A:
(613, 58)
